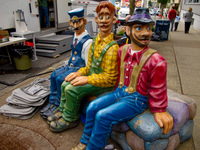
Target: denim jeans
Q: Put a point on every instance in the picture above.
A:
(172, 24)
(44, 12)
(107, 111)
(57, 78)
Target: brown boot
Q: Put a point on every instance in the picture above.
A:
(80, 146)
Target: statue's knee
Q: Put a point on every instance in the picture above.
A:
(53, 76)
(101, 116)
(59, 79)
(92, 107)
(63, 85)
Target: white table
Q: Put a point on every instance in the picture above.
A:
(11, 41)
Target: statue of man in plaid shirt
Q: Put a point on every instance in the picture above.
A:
(100, 74)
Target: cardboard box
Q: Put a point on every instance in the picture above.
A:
(4, 36)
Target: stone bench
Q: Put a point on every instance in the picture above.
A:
(143, 133)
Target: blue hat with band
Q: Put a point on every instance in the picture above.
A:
(76, 14)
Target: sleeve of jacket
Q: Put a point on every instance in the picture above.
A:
(109, 64)
(158, 87)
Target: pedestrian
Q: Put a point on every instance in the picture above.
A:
(166, 13)
(188, 19)
(172, 16)
(177, 21)
(43, 11)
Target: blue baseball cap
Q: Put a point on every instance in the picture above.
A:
(76, 14)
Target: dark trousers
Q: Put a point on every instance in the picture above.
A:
(176, 26)
(187, 26)
(172, 23)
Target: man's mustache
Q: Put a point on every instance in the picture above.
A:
(77, 28)
(142, 38)
(104, 24)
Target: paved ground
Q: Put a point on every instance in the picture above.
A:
(182, 52)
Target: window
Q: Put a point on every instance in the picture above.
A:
(192, 1)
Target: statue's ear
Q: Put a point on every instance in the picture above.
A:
(96, 19)
(85, 21)
(128, 30)
(114, 20)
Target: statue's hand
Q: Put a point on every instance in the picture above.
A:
(79, 80)
(164, 120)
(72, 76)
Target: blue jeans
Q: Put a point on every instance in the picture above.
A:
(172, 24)
(44, 12)
(57, 78)
(108, 110)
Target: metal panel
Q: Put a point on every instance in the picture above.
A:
(62, 17)
(10, 6)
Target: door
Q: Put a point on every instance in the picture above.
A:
(8, 11)
(63, 6)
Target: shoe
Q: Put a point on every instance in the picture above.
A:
(61, 125)
(50, 112)
(54, 117)
(47, 107)
(80, 146)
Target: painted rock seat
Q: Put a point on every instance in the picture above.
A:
(143, 133)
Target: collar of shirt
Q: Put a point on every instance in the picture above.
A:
(106, 40)
(137, 56)
(80, 36)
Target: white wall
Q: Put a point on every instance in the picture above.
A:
(7, 19)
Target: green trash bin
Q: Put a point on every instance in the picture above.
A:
(22, 57)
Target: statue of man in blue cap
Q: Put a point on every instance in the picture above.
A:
(142, 85)
(80, 48)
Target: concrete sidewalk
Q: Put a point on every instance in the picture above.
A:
(182, 52)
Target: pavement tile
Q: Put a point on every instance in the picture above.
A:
(190, 80)
(196, 135)
(188, 57)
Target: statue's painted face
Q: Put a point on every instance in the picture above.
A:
(79, 26)
(105, 20)
(141, 34)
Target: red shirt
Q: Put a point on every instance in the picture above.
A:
(152, 78)
(172, 14)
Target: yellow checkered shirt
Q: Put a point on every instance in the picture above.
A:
(109, 63)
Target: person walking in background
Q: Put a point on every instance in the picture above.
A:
(188, 19)
(177, 21)
(172, 16)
